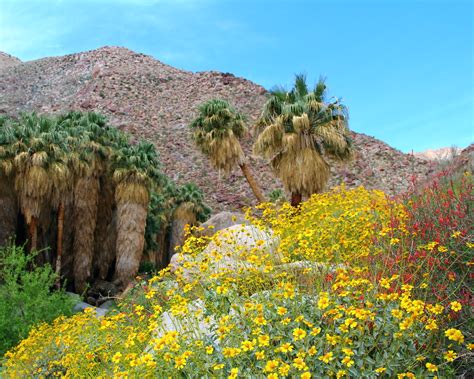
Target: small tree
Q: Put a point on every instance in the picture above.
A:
(25, 296)
(216, 132)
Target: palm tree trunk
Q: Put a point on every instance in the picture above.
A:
(67, 242)
(296, 199)
(105, 234)
(105, 260)
(59, 246)
(162, 258)
(33, 231)
(86, 195)
(8, 210)
(253, 184)
(182, 215)
(131, 223)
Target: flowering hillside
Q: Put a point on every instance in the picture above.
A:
(351, 284)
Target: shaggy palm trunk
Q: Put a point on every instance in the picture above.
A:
(33, 234)
(59, 245)
(296, 199)
(162, 256)
(105, 234)
(108, 253)
(67, 256)
(86, 195)
(253, 184)
(182, 216)
(131, 222)
(8, 210)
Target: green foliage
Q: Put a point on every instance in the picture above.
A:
(297, 130)
(26, 296)
(147, 268)
(190, 193)
(216, 132)
(217, 117)
(163, 204)
(276, 195)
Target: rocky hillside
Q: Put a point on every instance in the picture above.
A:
(7, 60)
(442, 154)
(152, 100)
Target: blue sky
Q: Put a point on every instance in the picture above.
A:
(404, 68)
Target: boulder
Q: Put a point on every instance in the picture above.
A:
(194, 324)
(109, 304)
(228, 250)
(222, 220)
(81, 306)
(238, 240)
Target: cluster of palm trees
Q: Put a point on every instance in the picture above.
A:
(76, 185)
(295, 132)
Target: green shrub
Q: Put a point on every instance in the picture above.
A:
(26, 298)
(276, 195)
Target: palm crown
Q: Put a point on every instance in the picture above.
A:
(216, 132)
(296, 129)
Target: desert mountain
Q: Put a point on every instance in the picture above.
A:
(155, 101)
(441, 154)
(7, 60)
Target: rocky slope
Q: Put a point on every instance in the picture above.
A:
(7, 60)
(155, 101)
(442, 154)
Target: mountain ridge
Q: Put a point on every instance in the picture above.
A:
(155, 101)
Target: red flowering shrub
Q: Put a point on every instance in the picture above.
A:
(433, 243)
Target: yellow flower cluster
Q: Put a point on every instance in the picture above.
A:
(304, 309)
(338, 226)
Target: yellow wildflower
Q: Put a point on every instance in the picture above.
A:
(298, 334)
(326, 358)
(455, 306)
(450, 355)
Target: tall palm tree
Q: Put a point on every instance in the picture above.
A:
(297, 129)
(41, 172)
(87, 161)
(8, 200)
(136, 169)
(216, 132)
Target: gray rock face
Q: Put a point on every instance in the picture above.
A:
(229, 250)
(81, 306)
(221, 221)
(237, 240)
(109, 304)
(193, 323)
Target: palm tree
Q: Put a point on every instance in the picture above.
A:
(216, 132)
(296, 130)
(136, 169)
(105, 232)
(8, 200)
(87, 162)
(41, 172)
(190, 208)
